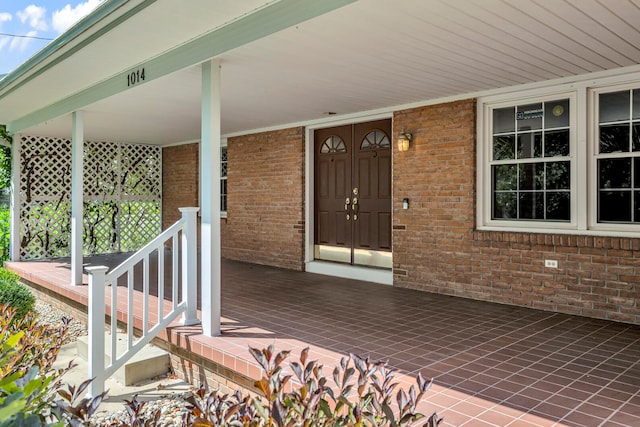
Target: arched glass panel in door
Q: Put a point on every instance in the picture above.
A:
(374, 140)
(333, 144)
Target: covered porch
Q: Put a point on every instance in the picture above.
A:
(493, 365)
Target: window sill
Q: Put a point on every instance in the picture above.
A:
(602, 232)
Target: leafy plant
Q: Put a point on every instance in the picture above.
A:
(74, 408)
(364, 395)
(136, 417)
(29, 386)
(15, 294)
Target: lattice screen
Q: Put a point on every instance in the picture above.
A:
(122, 196)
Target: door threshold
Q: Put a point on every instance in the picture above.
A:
(366, 274)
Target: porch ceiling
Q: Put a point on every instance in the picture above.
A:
(368, 55)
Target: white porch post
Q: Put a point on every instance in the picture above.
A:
(190, 265)
(210, 203)
(96, 328)
(77, 142)
(14, 244)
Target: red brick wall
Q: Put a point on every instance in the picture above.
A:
(265, 211)
(437, 249)
(432, 240)
(180, 173)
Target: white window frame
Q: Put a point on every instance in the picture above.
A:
(223, 145)
(583, 93)
(594, 103)
(485, 156)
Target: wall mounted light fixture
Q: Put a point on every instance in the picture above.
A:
(404, 138)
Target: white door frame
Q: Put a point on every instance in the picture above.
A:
(312, 265)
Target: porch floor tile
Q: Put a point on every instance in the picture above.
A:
(493, 365)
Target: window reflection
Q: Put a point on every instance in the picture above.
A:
(618, 161)
(529, 181)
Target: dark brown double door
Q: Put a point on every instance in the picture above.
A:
(353, 194)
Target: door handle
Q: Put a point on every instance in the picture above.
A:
(354, 203)
(346, 208)
(355, 207)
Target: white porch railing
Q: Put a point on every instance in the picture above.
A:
(186, 229)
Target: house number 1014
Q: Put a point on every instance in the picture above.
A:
(135, 77)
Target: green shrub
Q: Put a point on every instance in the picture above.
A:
(15, 294)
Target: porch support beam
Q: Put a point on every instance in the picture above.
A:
(210, 197)
(77, 142)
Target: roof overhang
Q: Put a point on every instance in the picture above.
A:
(291, 61)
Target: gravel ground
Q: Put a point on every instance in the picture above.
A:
(50, 315)
(171, 413)
(171, 406)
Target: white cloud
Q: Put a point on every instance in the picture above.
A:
(35, 15)
(67, 16)
(4, 17)
(20, 43)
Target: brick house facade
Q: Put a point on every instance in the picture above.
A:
(265, 222)
(436, 245)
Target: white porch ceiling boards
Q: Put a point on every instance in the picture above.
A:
(369, 55)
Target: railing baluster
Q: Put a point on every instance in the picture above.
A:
(174, 270)
(160, 283)
(114, 320)
(130, 308)
(145, 291)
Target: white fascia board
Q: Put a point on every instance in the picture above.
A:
(272, 18)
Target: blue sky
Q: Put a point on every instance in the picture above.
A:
(35, 18)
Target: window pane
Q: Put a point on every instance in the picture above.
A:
(614, 138)
(529, 117)
(528, 188)
(556, 143)
(556, 114)
(504, 177)
(614, 206)
(223, 195)
(531, 205)
(504, 147)
(531, 176)
(635, 138)
(504, 205)
(558, 207)
(636, 206)
(636, 172)
(614, 106)
(529, 145)
(614, 173)
(504, 120)
(636, 104)
(558, 176)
